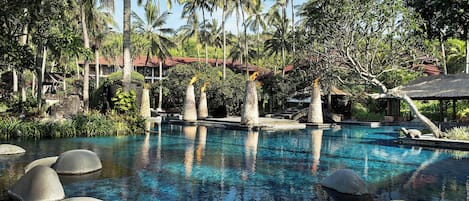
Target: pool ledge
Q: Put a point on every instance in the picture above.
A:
(234, 123)
(435, 143)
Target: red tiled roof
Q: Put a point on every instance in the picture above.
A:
(173, 61)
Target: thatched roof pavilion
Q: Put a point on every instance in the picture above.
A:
(440, 87)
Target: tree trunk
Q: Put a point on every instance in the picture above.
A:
(160, 94)
(86, 81)
(315, 107)
(393, 93)
(127, 59)
(293, 27)
(15, 81)
(205, 34)
(467, 51)
(96, 67)
(22, 85)
(443, 55)
(39, 64)
(224, 39)
(22, 82)
(430, 125)
(43, 70)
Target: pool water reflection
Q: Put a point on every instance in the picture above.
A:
(205, 163)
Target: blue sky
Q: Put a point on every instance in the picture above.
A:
(175, 20)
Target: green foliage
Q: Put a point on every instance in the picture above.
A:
(93, 124)
(463, 115)
(399, 77)
(125, 103)
(362, 113)
(90, 125)
(117, 77)
(458, 133)
(224, 95)
(276, 90)
(27, 108)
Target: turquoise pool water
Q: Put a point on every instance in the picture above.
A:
(205, 163)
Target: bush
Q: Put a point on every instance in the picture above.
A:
(458, 133)
(463, 115)
(362, 113)
(90, 125)
(222, 94)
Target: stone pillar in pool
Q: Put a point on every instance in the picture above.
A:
(250, 111)
(190, 111)
(315, 106)
(203, 110)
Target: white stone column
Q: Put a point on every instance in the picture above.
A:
(250, 111)
(190, 111)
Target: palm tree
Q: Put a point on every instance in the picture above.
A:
(152, 30)
(189, 30)
(99, 23)
(85, 8)
(127, 56)
(256, 22)
(215, 36)
(189, 11)
(281, 22)
(277, 44)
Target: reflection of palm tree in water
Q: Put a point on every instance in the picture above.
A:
(201, 145)
(250, 152)
(189, 133)
(316, 142)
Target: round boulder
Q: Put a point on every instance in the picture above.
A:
(78, 161)
(48, 162)
(345, 181)
(81, 199)
(40, 183)
(6, 149)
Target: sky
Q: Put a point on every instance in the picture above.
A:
(175, 20)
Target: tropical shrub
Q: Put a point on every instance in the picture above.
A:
(223, 96)
(458, 133)
(125, 103)
(90, 125)
(463, 115)
(362, 113)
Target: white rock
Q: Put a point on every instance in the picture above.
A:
(345, 181)
(48, 162)
(40, 183)
(6, 149)
(78, 161)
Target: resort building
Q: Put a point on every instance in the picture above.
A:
(150, 68)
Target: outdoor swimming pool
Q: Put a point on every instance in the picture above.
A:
(205, 163)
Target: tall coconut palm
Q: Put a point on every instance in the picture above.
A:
(278, 15)
(100, 22)
(85, 7)
(127, 57)
(190, 8)
(152, 30)
(215, 36)
(276, 44)
(190, 30)
(256, 22)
